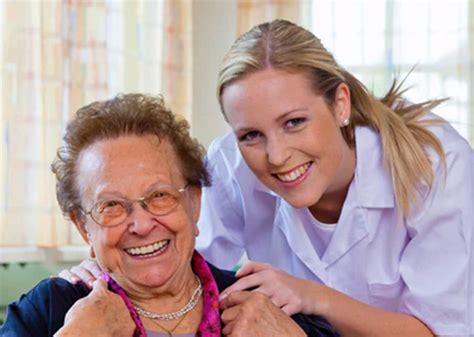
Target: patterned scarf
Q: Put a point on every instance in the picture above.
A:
(210, 325)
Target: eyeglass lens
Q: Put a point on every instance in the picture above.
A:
(114, 212)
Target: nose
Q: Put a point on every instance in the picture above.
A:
(277, 151)
(141, 222)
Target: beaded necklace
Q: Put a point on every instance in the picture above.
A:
(177, 314)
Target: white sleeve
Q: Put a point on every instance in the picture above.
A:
(436, 264)
(221, 222)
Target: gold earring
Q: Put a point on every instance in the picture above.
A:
(91, 252)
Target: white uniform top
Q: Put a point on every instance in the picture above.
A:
(421, 265)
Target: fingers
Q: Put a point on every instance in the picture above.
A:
(68, 276)
(252, 267)
(234, 299)
(99, 285)
(244, 283)
(290, 309)
(91, 266)
(87, 271)
(232, 309)
(246, 311)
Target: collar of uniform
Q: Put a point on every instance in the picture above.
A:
(373, 182)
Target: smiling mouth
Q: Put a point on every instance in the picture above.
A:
(294, 174)
(149, 250)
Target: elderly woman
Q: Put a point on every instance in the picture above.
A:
(129, 177)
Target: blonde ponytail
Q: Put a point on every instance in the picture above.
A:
(404, 135)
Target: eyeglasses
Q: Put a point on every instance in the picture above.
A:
(113, 212)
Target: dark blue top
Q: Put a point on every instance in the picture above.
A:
(41, 312)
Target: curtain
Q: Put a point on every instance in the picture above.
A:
(57, 56)
(177, 54)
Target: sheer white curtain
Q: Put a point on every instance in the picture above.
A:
(376, 40)
(55, 57)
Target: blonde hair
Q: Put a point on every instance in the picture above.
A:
(283, 45)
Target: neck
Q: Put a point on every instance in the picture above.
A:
(329, 207)
(169, 297)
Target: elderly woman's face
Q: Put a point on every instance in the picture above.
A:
(145, 250)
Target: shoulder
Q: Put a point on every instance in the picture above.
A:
(41, 311)
(229, 169)
(223, 278)
(225, 143)
(224, 147)
(57, 292)
(315, 326)
(224, 159)
(453, 144)
(448, 136)
(457, 164)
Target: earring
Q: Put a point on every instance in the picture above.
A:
(91, 252)
(346, 122)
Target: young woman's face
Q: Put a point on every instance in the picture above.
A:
(289, 136)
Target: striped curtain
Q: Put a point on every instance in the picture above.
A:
(57, 56)
(253, 12)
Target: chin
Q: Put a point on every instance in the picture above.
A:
(301, 198)
(150, 281)
(300, 202)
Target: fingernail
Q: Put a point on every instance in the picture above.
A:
(90, 283)
(74, 279)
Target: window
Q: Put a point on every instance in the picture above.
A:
(376, 40)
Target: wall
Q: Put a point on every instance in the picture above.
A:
(214, 30)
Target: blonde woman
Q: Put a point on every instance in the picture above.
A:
(356, 208)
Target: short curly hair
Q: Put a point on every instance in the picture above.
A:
(125, 114)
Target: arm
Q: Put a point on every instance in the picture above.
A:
(354, 318)
(42, 310)
(348, 316)
(435, 266)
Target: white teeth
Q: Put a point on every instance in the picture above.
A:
(149, 249)
(295, 174)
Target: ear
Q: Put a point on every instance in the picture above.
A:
(195, 197)
(79, 221)
(342, 105)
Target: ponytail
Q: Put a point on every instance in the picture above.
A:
(404, 135)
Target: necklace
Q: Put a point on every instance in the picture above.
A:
(169, 332)
(177, 314)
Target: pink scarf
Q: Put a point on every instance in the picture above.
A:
(210, 325)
